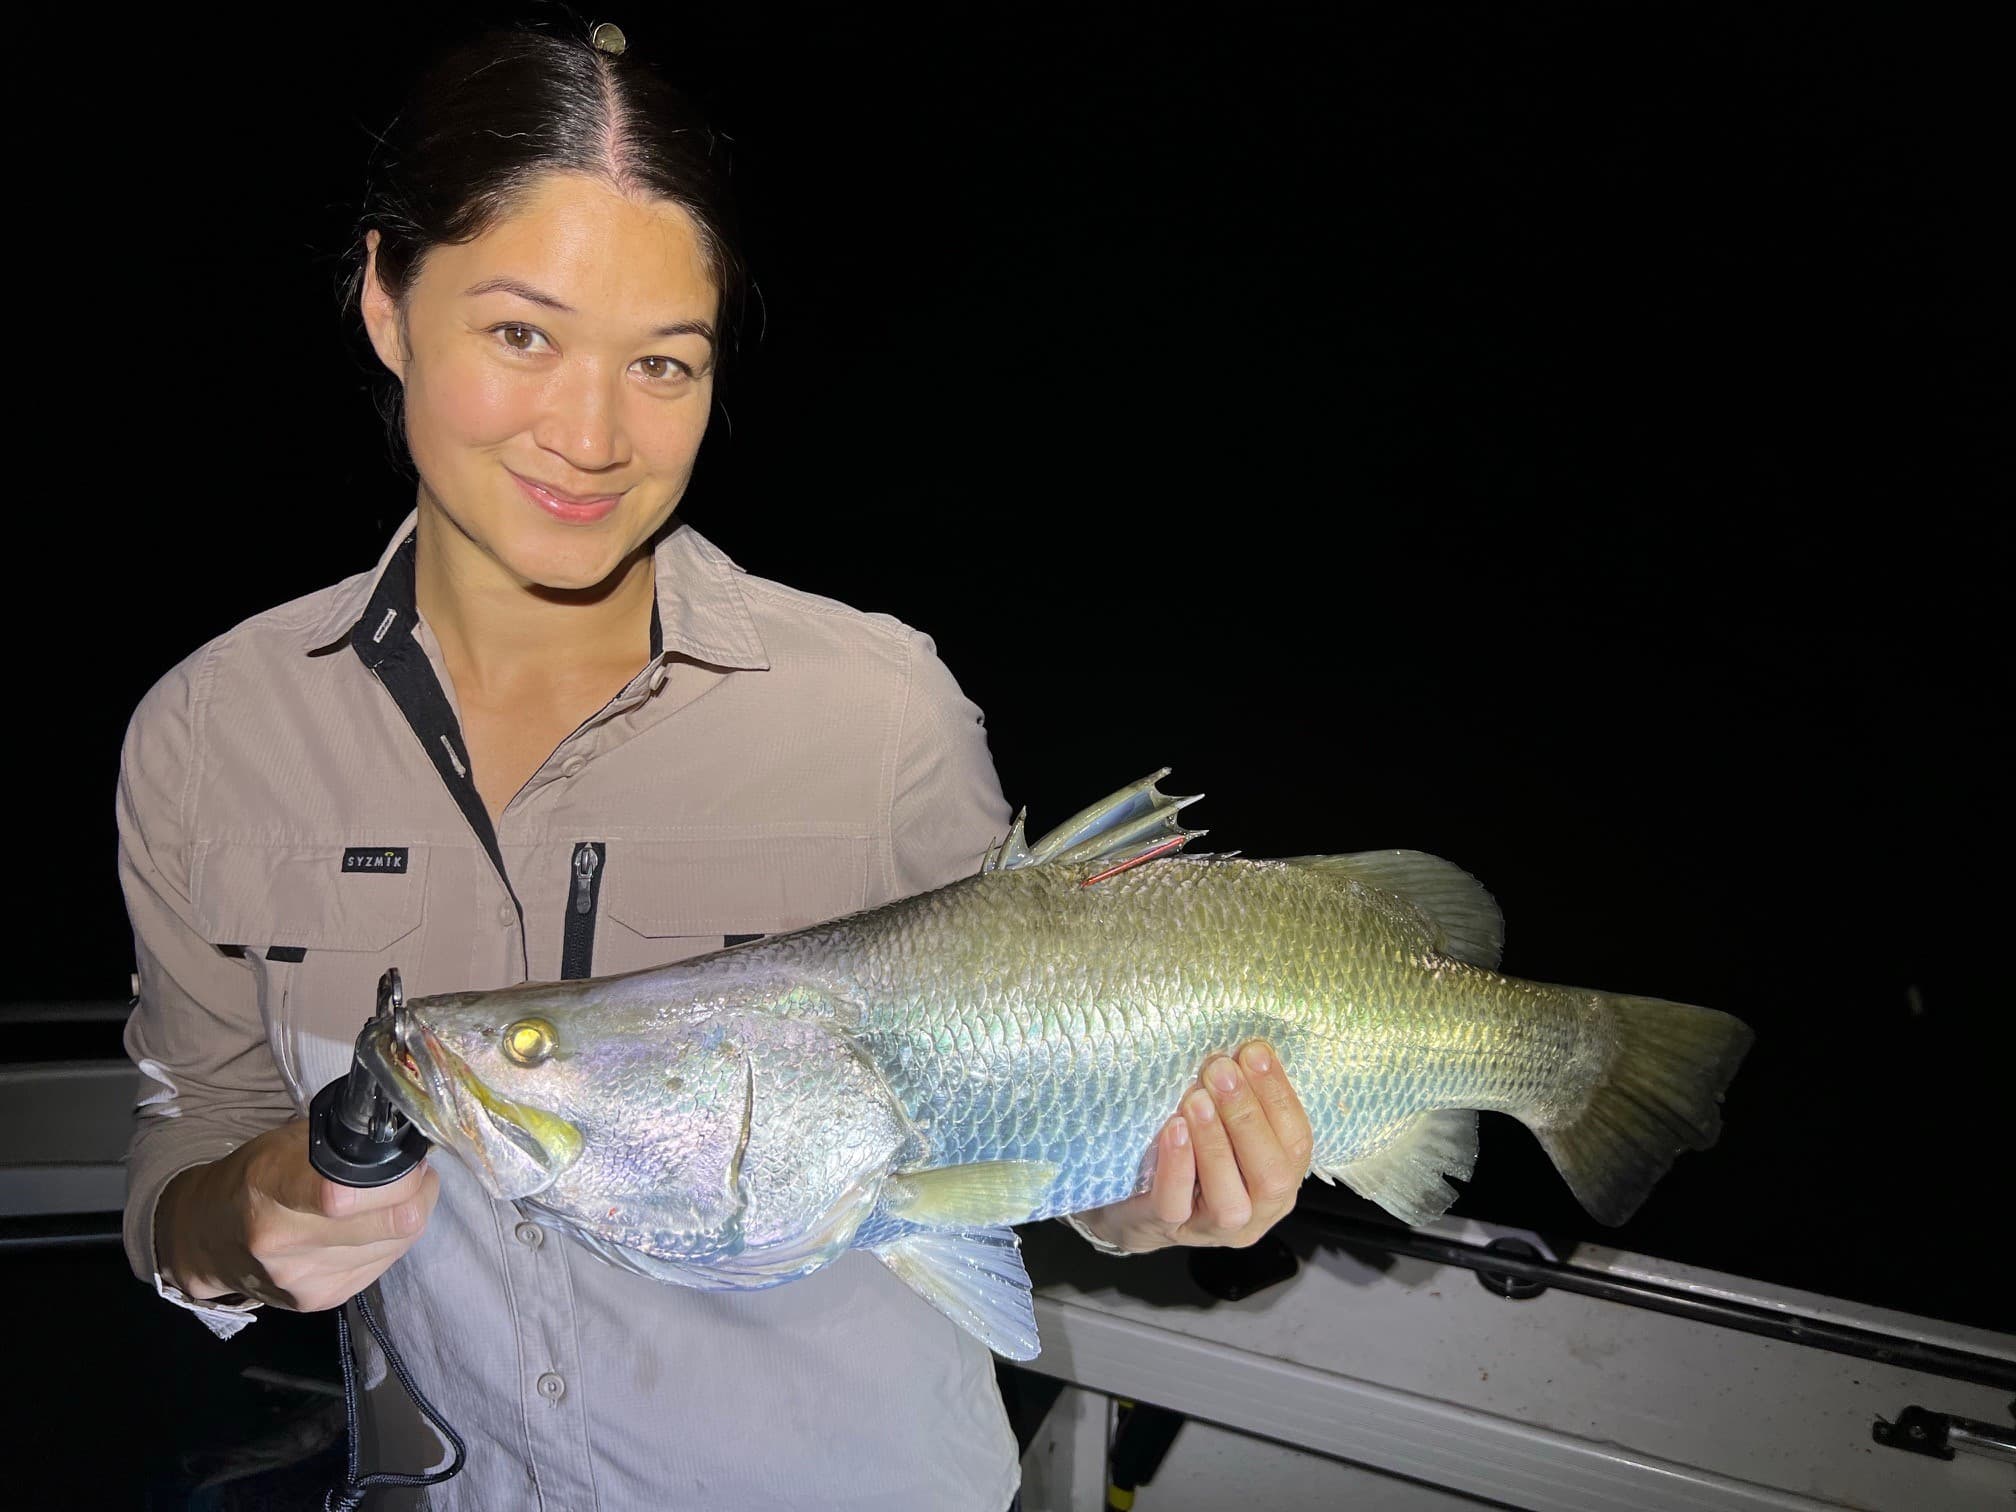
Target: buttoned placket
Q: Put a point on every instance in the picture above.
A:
(554, 1411)
(555, 1408)
(385, 640)
(393, 643)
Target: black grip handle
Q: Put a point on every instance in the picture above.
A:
(352, 1156)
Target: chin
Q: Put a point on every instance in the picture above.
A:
(566, 566)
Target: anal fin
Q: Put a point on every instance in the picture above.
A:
(1404, 1176)
(976, 1278)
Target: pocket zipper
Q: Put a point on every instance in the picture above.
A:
(584, 895)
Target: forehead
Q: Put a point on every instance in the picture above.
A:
(592, 246)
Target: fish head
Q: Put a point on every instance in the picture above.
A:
(619, 1119)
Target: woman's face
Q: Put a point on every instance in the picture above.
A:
(558, 373)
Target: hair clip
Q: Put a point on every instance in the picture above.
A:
(609, 37)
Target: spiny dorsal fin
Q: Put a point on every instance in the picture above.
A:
(1011, 852)
(1468, 925)
(1130, 822)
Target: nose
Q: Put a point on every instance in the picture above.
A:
(581, 422)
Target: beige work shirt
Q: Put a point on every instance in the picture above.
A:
(295, 816)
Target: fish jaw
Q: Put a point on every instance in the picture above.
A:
(515, 1149)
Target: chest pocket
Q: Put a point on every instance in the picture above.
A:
(665, 900)
(318, 937)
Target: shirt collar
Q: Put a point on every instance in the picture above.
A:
(700, 613)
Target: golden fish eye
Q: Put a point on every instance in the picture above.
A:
(529, 1041)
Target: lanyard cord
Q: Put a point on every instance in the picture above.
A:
(351, 1494)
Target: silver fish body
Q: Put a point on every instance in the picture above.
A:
(914, 1078)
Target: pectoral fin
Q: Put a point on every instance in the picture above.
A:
(974, 1277)
(981, 1195)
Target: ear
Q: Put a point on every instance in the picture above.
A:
(381, 313)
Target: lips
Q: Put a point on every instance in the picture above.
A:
(568, 508)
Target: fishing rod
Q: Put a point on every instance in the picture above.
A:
(1512, 1268)
(357, 1137)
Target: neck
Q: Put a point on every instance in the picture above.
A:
(496, 630)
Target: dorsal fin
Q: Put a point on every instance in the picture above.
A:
(1134, 820)
(1466, 918)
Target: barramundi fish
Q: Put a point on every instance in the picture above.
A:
(916, 1078)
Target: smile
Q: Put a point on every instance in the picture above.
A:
(570, 509)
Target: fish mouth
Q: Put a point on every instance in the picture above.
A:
(515, 1149)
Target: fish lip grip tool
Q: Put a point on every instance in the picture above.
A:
(358, 1137)
(356, 1134)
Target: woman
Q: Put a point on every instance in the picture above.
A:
(554, 733)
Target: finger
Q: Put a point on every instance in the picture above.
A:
(1175, 1174)
(1263, 1164)
(1277, 1099)
(1225, 1208)
(371, 1215)
(403, 1220)
(332, 1199)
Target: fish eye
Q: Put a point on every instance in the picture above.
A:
(529, 1041)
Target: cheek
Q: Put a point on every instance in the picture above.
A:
(667, 435)
(458, 400)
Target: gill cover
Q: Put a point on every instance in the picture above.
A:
(669, 1183)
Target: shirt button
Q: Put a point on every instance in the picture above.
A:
(506, 914)
(552, 1387)
(572, 765)
(658, 679)
(530, 1235)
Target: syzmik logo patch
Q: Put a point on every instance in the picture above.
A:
(375, 858)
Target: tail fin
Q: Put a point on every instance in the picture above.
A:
(1659, 1096)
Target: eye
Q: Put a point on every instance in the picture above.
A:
(518, 337)
(529, 1041)
(666, 369)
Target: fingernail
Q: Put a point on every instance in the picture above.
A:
(1179, 1132)
(1200, 1108)
(1223, 1074)
(1256, 1059)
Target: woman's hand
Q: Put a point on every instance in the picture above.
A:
(264, 1222)
(1227, 1166)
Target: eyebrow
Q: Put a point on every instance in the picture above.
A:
(526, 291)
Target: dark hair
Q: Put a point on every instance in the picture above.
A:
(499, 111)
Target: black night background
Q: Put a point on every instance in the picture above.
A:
(1568, 440)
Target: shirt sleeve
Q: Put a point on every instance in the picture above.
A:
(195, 1030)
(946, 809)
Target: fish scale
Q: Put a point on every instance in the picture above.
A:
(1027, 1017)
(915, 1078)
